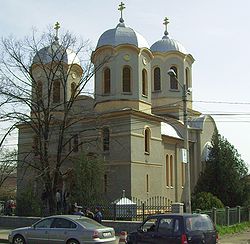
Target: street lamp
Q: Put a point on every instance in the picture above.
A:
(185, 92)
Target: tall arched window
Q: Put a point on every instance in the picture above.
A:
(171, 171)
(56, 91)
(157, 79)
(167, 170)
(147, 183)
(147, 140)
(126, 79)
(187, 77)
(182, 174)
(144, 82)
(173, 80)
(106, 81)
(73, 89)
(105, 135)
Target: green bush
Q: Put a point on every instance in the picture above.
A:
(28, 204)
(205, 201)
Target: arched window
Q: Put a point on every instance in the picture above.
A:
(105, 135)
(144, 82)
(147, 140)
(106, 81)
(126, 79)
(39, 90)
(147, 183)
(56, 91)
(171, 171)
(73, 89)
(167, 170)
(173, 80)
(187, 77)
(157, 79)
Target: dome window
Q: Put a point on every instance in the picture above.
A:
(106, 81)
(147, 140)
(56, 91)
(105, 137)
(144, 82)
(173, 80)
(157, 79)
(126, 79)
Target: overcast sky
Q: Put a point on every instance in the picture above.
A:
(215, 32)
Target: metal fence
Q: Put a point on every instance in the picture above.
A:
(228, 216)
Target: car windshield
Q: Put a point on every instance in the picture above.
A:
(201, 222)
(89, 223)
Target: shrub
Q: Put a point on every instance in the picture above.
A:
(205, 201)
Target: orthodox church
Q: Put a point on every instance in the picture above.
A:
(141, 116)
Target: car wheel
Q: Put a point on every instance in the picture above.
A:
(18, 239)
(72, 241)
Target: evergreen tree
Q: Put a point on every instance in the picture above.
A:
(223, 173)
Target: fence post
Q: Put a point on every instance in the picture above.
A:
(214, 215)
(227, 216)
(143, 211)
(238, 214)
(248, 213)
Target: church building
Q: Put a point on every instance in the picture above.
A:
(138, 112)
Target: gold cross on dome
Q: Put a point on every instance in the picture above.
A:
(57, 27)
(121, 7)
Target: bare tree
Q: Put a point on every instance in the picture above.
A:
(42, 79)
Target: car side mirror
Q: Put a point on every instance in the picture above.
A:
(140, 230)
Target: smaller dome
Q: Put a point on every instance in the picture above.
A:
(56, 52)
(122, 35)
(167, 44)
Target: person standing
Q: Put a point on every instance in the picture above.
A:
(98, 215)
(58, 201)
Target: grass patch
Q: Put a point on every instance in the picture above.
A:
(232, 228)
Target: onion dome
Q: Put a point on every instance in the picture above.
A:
(121, 35)
(167, 44)
(56, 53)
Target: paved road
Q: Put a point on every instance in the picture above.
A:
(239, 238)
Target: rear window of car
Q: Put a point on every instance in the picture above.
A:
(89, 223)
(200, 222)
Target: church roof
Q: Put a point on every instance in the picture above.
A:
(56, 52)
(169, 130)
(167, 44)
(122, 35)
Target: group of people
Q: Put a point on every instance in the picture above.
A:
(97, 215)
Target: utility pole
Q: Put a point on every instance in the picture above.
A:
(187, 190)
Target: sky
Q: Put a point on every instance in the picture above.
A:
(215, 32)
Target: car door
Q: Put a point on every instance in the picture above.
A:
(169, 231)
(39, 232)
(60, 231)
(147, 231)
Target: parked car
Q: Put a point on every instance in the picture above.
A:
(175, 229)
(63, 229)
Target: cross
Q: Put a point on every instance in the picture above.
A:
(57, 27)
(166, 23)
(121, 7)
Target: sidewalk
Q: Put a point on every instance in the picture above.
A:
(4, 235)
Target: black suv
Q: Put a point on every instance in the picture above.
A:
(175, 229)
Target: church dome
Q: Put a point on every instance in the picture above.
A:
(167, 44)
(56, 52)
(122, 35)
